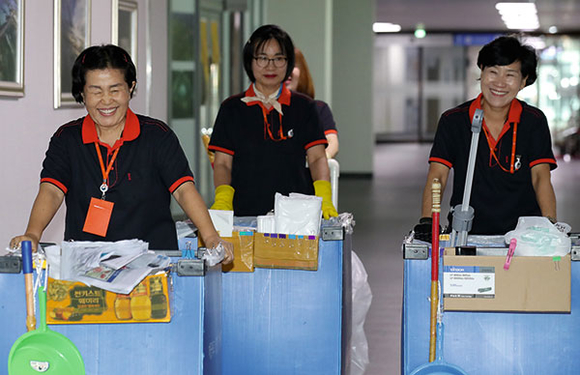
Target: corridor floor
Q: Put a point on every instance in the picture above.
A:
(385, 209)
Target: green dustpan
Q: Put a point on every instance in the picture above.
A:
(44, 351)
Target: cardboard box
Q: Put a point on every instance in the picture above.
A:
(531, 284)
(71, 302)
(272, 250)
(243, 252)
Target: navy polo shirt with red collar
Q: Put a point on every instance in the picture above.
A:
(502, 184)
(268, 148)
(149, 167)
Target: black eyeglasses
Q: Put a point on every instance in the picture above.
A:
(263, 61)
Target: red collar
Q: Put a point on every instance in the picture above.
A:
(131, 131)
(283, 99)
(514, 114)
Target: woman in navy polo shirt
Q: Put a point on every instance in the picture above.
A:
(514, 157)
(116, 170)
(261, 137)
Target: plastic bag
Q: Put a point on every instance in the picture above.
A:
(297, 214)
(361, 301)
(537, 236)
(215, 255)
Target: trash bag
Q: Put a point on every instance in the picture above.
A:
(537, 236)
(361, 301)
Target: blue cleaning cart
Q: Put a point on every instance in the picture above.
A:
(189, 344)
(484, 343)
(284, 321)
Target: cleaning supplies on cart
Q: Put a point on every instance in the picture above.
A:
(297, 214)
(537, 236)
(266, 223)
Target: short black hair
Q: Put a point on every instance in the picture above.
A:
(101, 57)
(259, 38)
(505, 50)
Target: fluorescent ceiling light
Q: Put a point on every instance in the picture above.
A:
(386, 27)
(519, 16)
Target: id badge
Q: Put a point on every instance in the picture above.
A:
(98, 217)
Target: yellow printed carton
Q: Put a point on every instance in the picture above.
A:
(71, 302)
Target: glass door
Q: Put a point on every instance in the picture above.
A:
(183, 114)
(205, 66)
(211, 79)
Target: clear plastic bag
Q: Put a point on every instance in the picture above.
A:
(361, 302)
(537, 236)
(214, 255)
(297, 214)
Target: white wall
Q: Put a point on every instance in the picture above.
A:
(309, 23)
(352, 83)
(29, 122)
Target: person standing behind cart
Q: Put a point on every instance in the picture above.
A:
(261, 137)
(116, 170)
(301, 81)
(514, 159)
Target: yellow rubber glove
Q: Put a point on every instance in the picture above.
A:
(224, 198)
(323, 190)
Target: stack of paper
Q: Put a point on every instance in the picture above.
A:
(114, 266)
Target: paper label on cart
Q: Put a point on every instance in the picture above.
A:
(468, 282)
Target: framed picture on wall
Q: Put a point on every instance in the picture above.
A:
(72, 34)
(124, 33)
(12, 48)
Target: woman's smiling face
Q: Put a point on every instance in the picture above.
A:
(500, 84)
(106, 96)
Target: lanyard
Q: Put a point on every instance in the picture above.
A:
(261, 100)
(492, 152)
(268, 126)
(104, 187)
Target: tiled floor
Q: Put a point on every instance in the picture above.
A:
(385, 208)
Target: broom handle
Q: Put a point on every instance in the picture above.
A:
(28, 284)
(435, 211)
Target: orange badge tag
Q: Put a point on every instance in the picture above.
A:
(98, 217)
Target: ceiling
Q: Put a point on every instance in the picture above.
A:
(473, 15)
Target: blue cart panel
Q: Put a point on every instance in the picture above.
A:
(484, 343)
(282, 321)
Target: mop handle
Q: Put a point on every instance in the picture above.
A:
(435, 212)
(475, 129)
(28, 284)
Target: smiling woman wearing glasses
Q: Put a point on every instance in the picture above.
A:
(261, 137)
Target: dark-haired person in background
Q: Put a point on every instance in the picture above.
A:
(301, 81)
(261, 137)
(116, 170)
(514, 156)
